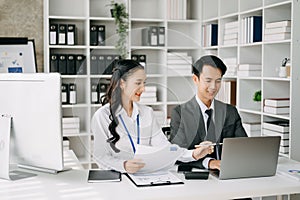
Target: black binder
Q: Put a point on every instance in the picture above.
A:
(94, 66)
(62, 64)
(161, 36)
(80, 64)
(71, 36)
(71, 68)
(54, 63)
(53, 34)
(135, 57)
(101, 35)
(142, 60)
(102, 88)
(150, 36)
(101, 64)
(62, 34)
(94, 93)
(64, 93)
(72, 93)
(93, 35)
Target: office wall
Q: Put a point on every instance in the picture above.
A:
(23, 18)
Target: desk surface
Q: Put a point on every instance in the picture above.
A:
(73, 185)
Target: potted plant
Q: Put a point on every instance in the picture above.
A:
(257, 96)
(119, 13)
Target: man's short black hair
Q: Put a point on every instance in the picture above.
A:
(211, 60)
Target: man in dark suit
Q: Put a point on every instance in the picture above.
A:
(190, 122)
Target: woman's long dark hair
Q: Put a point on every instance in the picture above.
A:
(122, 69)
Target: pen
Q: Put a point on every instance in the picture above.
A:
(294, 171)
(212, 144)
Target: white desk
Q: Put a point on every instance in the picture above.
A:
(73, 185)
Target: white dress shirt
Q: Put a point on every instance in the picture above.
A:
(150, 134)
(205, 117)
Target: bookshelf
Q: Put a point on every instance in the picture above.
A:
(268, 53)
(182, 34)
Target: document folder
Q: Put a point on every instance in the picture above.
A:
(154, 179)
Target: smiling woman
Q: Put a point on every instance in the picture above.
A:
(122, 124)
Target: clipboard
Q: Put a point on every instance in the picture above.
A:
(154, 179)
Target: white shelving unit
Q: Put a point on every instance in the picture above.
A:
(180, 36)
(268, 54)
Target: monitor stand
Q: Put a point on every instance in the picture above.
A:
(5, 173)
(51, 171)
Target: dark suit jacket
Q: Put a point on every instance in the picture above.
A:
(188, 129)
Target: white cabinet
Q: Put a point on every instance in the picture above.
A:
(181, 35)
(267, 53)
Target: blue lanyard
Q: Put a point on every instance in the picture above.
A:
(138, 131)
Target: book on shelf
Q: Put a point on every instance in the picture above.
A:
(231, 30)
(148, 99)
(248, 73)
(283, 149)
(230, 41)
(278, 24)
(233, 24)
(187, 60)
(284, 142)
(150, 88)
(230, 36)
(277, 36)
(277, 110)
(70, 119)
(278, 125)
(68, 131)
(98, 176)
(70, 125)
(250, 67)
(252, 126)
(284, 29)
(277, 102)
(227, 92)
(284, 136)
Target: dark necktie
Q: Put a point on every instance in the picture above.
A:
(209, 113)
(211, 135)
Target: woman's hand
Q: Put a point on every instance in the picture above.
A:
(203, 149)
(134, 165)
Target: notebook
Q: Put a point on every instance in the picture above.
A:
(96, 176)
(246, 157)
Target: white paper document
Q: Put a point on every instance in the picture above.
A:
(158, 158)
(154, 179)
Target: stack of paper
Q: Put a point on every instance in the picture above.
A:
(179, 63)
(280, 30)
(149, 95)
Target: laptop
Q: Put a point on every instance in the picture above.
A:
(246, 157)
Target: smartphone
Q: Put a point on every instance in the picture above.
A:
(196, 175)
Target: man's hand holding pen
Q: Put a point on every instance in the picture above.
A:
(203, 149)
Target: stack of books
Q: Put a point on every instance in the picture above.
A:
(280, 30)
(70, 125)
(227, 92)
(209, 35)
(251, 29)
(277, 106)
(231, 33)
(177, 9)
(179, 63)
(231, 64)
(252, 128)
(246, 70)
(149, 95)
(66, 143)
(278, 128)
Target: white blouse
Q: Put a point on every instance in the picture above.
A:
(150, 135)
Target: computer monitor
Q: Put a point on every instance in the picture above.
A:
(33, 100)
(17, 55)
